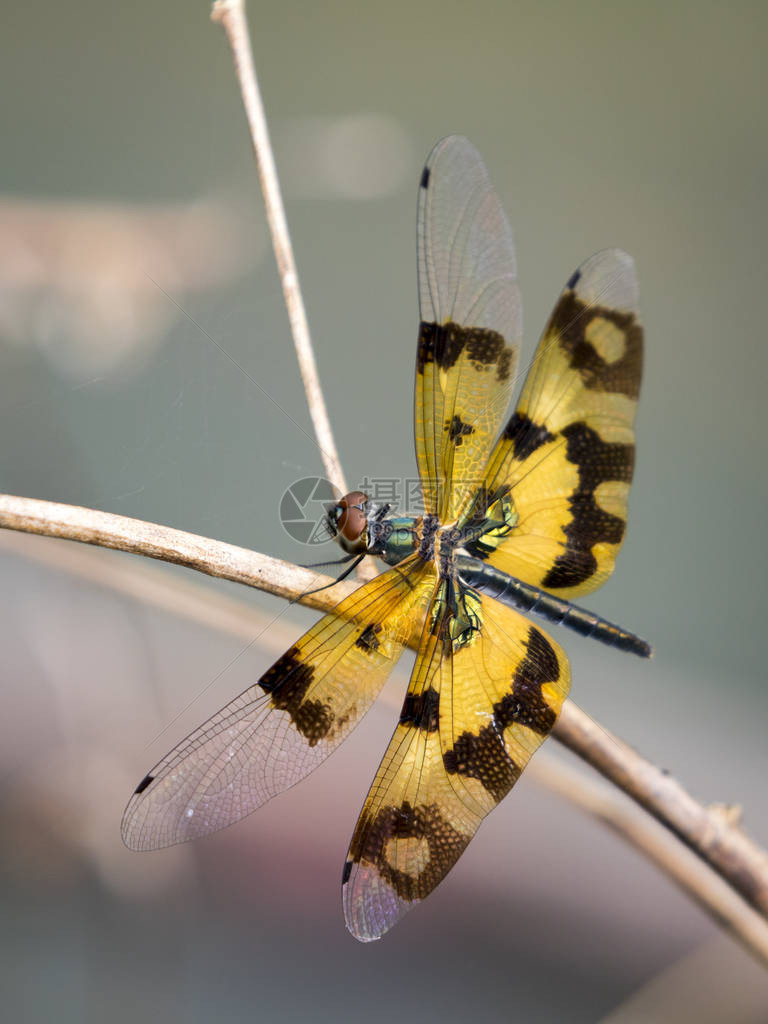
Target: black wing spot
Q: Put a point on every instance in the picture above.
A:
(482, 756)
(484, 346)
(458, 430)
(368, 641)
(504, 366)
(287, 683)
(444, 344)
(525, 704)
(425, 174)
(441, 344)
(597, 461)
(525, 435)
(445, 845)
(143, 784)
(570, 320)
(422, 710)
(574, 279)
(346, 872)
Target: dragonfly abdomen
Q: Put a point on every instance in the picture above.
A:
(514, 592)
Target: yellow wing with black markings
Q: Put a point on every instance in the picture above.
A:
(485, 692)
(558, 481)
(471, 325)
(281, 728)
(544, 499)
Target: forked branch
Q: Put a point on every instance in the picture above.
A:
(183, 597)
(709, 832)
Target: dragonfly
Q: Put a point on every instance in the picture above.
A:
(522, 513)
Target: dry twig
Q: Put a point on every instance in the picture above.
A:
(190, 600)
(681, 864)
(711, 834)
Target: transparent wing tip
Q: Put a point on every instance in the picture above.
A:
(607, 279)
(450, 145)
(371, 905)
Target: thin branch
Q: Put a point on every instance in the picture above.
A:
(711, 833)
(187, 599)
(230, 14)
(678, 861)
(212, 557)
(173, 593)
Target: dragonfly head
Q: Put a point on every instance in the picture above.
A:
(348, 522)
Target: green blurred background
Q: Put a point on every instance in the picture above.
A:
(131, 230)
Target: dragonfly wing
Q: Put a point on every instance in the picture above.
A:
(471, 324)
(564, 462)
(485, 692)
(286, 724)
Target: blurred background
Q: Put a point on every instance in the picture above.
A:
(146, 368)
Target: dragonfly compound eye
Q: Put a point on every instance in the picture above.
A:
(352, 520)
